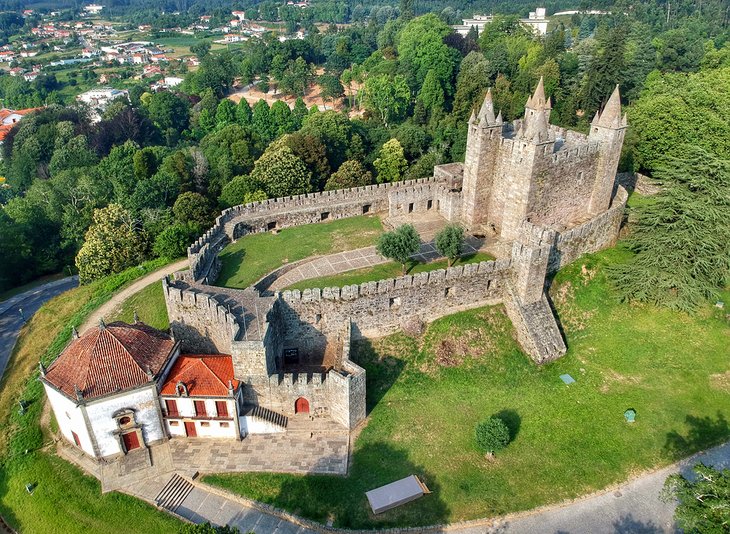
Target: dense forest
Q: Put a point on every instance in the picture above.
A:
(153, 173)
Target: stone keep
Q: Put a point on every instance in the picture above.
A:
(534, 171)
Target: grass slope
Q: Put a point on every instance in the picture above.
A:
(254, 256)
(149, 303)
(64, 499)
(425, 397)
(384, 271)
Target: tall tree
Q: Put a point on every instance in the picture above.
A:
(387, 97)
(392, 163)
(112, 244)
(682, 238)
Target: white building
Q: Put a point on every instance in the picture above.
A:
(98, 99)
(103, 388)
(537, 20)
(201, 397)
(93, 9)
(122, 387)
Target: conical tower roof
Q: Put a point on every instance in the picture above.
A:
(486, 113)
(538, 99)
(611, 115)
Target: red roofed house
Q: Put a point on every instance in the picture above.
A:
(103, 388)
(201, 397)
(121, 387)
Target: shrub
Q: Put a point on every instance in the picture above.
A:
(492, 435)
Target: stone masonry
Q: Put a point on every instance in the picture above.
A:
(547, 194)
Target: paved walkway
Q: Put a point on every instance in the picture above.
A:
(633, 507)
(311, 451)
(11, 320)
(356, 259)
(109, 308)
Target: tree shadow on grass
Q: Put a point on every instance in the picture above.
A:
(703, 432)
(513, 421)
(342, 500)
(230, 266)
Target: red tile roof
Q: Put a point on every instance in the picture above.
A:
(109, 359)
(204, 375)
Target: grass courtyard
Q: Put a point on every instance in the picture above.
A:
(256, 255)
(384, 271)
(426, 395)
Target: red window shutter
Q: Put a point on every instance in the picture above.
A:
(171, 406)
(222, 408)
(200, 408)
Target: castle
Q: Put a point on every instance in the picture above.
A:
(543, 194)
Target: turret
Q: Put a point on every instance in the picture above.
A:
(482, 146)
(608, 129)
(535, 125)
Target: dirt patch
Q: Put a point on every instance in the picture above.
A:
(611, 377)
(721, 381)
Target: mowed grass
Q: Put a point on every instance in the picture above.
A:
(384, 271)
(426, 395)
(64, 499)
(149, 303)
(256, 255)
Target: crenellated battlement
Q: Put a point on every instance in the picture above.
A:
(568, 154)
(388, 285)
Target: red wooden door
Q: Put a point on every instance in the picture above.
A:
(301, 405)
(190, 429)
(76, 439)
(131, 441)
(222, 408)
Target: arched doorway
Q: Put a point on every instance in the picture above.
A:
(301, 405)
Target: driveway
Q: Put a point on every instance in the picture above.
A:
(11, 320)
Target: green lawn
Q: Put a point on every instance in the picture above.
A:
(150, 306)
(384, 271)
(64, 499)
(256, 255)
(425, 396)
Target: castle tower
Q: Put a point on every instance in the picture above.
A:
(532, 140)
(482, 147)
(608, 128)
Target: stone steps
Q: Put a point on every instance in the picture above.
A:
(270, 416)
(174, 493)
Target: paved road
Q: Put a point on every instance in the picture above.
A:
(11, 320)
(632, 508)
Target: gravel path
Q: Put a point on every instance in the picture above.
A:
(107, 310)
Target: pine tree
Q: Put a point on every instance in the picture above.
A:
(682, 238)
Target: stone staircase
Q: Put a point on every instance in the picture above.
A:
(174, 493)
(267, 415)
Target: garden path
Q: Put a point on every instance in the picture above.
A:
(356, 259)
(108, 308)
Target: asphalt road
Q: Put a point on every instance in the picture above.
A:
(11, 319)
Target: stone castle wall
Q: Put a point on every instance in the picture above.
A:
(377, 308)
(594, 235)
(198, 322)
